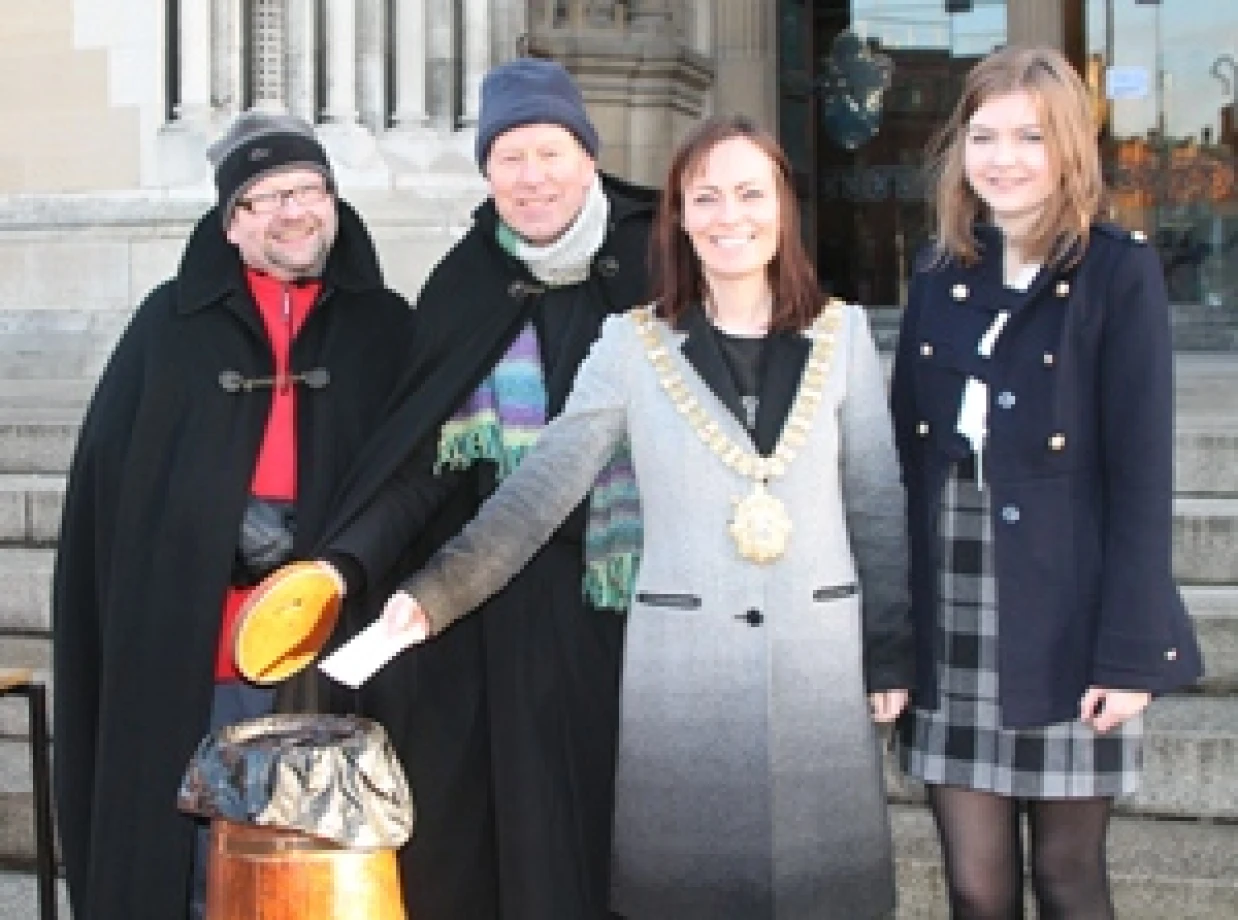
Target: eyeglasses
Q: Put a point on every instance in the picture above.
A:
(270, 202)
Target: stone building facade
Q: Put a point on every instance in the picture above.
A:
(123, 99)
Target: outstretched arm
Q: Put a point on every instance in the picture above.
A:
(534, 500)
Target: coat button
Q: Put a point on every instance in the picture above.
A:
(922, 429)
(1057, 441)
(1010, 514)
(1062, 288)
(926, 349)
(608, 266)
(959, 292)
(1006, 399)
(1048, 359)
(1171, 655)
(753, 617)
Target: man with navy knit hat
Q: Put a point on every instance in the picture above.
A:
(226, 420)
(506, 726)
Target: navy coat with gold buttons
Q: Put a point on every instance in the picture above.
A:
(1078, 464)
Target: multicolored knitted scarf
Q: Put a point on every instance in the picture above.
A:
(501, 421)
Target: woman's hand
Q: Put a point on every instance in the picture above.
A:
(887, 704)
(1106, 709)
(405, 619)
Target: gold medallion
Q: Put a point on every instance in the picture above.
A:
(760, 525)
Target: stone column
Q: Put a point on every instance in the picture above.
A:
(441, 62)
(476, 55)
(195, 61)
(1035, 22)
(341, 35)
(227, 65)
(701, 27)
(267, 55)
(372, 64)
(410, 62)
(656, 16)
(746, 59)
(300, 59)
(509, 27)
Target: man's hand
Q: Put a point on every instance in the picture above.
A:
(1105, 709)
(405, 619)
(887, 704)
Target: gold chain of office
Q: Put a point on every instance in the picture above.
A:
(760, 524)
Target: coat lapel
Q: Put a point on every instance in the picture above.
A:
(783, 365)
(700, 348)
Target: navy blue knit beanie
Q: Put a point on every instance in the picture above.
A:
(530, 91)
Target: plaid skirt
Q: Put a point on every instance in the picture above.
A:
(962, 741)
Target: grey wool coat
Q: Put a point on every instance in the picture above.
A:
(748, 775)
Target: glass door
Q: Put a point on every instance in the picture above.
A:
(863, 86)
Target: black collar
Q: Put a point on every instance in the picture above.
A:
(782, 367)
(211, 268)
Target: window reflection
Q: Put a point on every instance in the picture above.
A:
(864, 84)
(1166, 80)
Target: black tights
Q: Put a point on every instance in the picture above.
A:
(983, 852)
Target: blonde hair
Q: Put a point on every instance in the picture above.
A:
(1061, 232)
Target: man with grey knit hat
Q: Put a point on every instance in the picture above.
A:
(224, 424)
(506, 726)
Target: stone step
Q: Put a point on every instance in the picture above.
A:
(1159, 869)
(34, 398)
(30, 508)
(25, 609)
(37, 435)
(1180, 869)
(39, 411)
(1190, 762)
(1206, 456)
(25, 618)
(18, 897)
(1214, 611)
(1205, 541)
(57, 343)
(40, 442)
(25, 602)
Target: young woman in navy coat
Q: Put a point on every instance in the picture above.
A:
(1033, 404)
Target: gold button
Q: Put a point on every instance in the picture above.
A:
(1048, 359)
(926, 349)
(922, 429)
(1062, 289)
(959, 292)
(1171, 655)
(1139, 236)
(1057, 441)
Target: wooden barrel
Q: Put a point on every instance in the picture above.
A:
(266, 873)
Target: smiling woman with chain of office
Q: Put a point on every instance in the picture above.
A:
(769, 623)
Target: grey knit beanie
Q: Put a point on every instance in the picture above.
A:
(257, 143)
(530, 91)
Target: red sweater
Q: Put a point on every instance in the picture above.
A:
(284, 308)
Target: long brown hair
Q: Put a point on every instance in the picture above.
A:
(1066, 118)
(677, 280)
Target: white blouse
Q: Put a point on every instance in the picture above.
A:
(973, 418)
